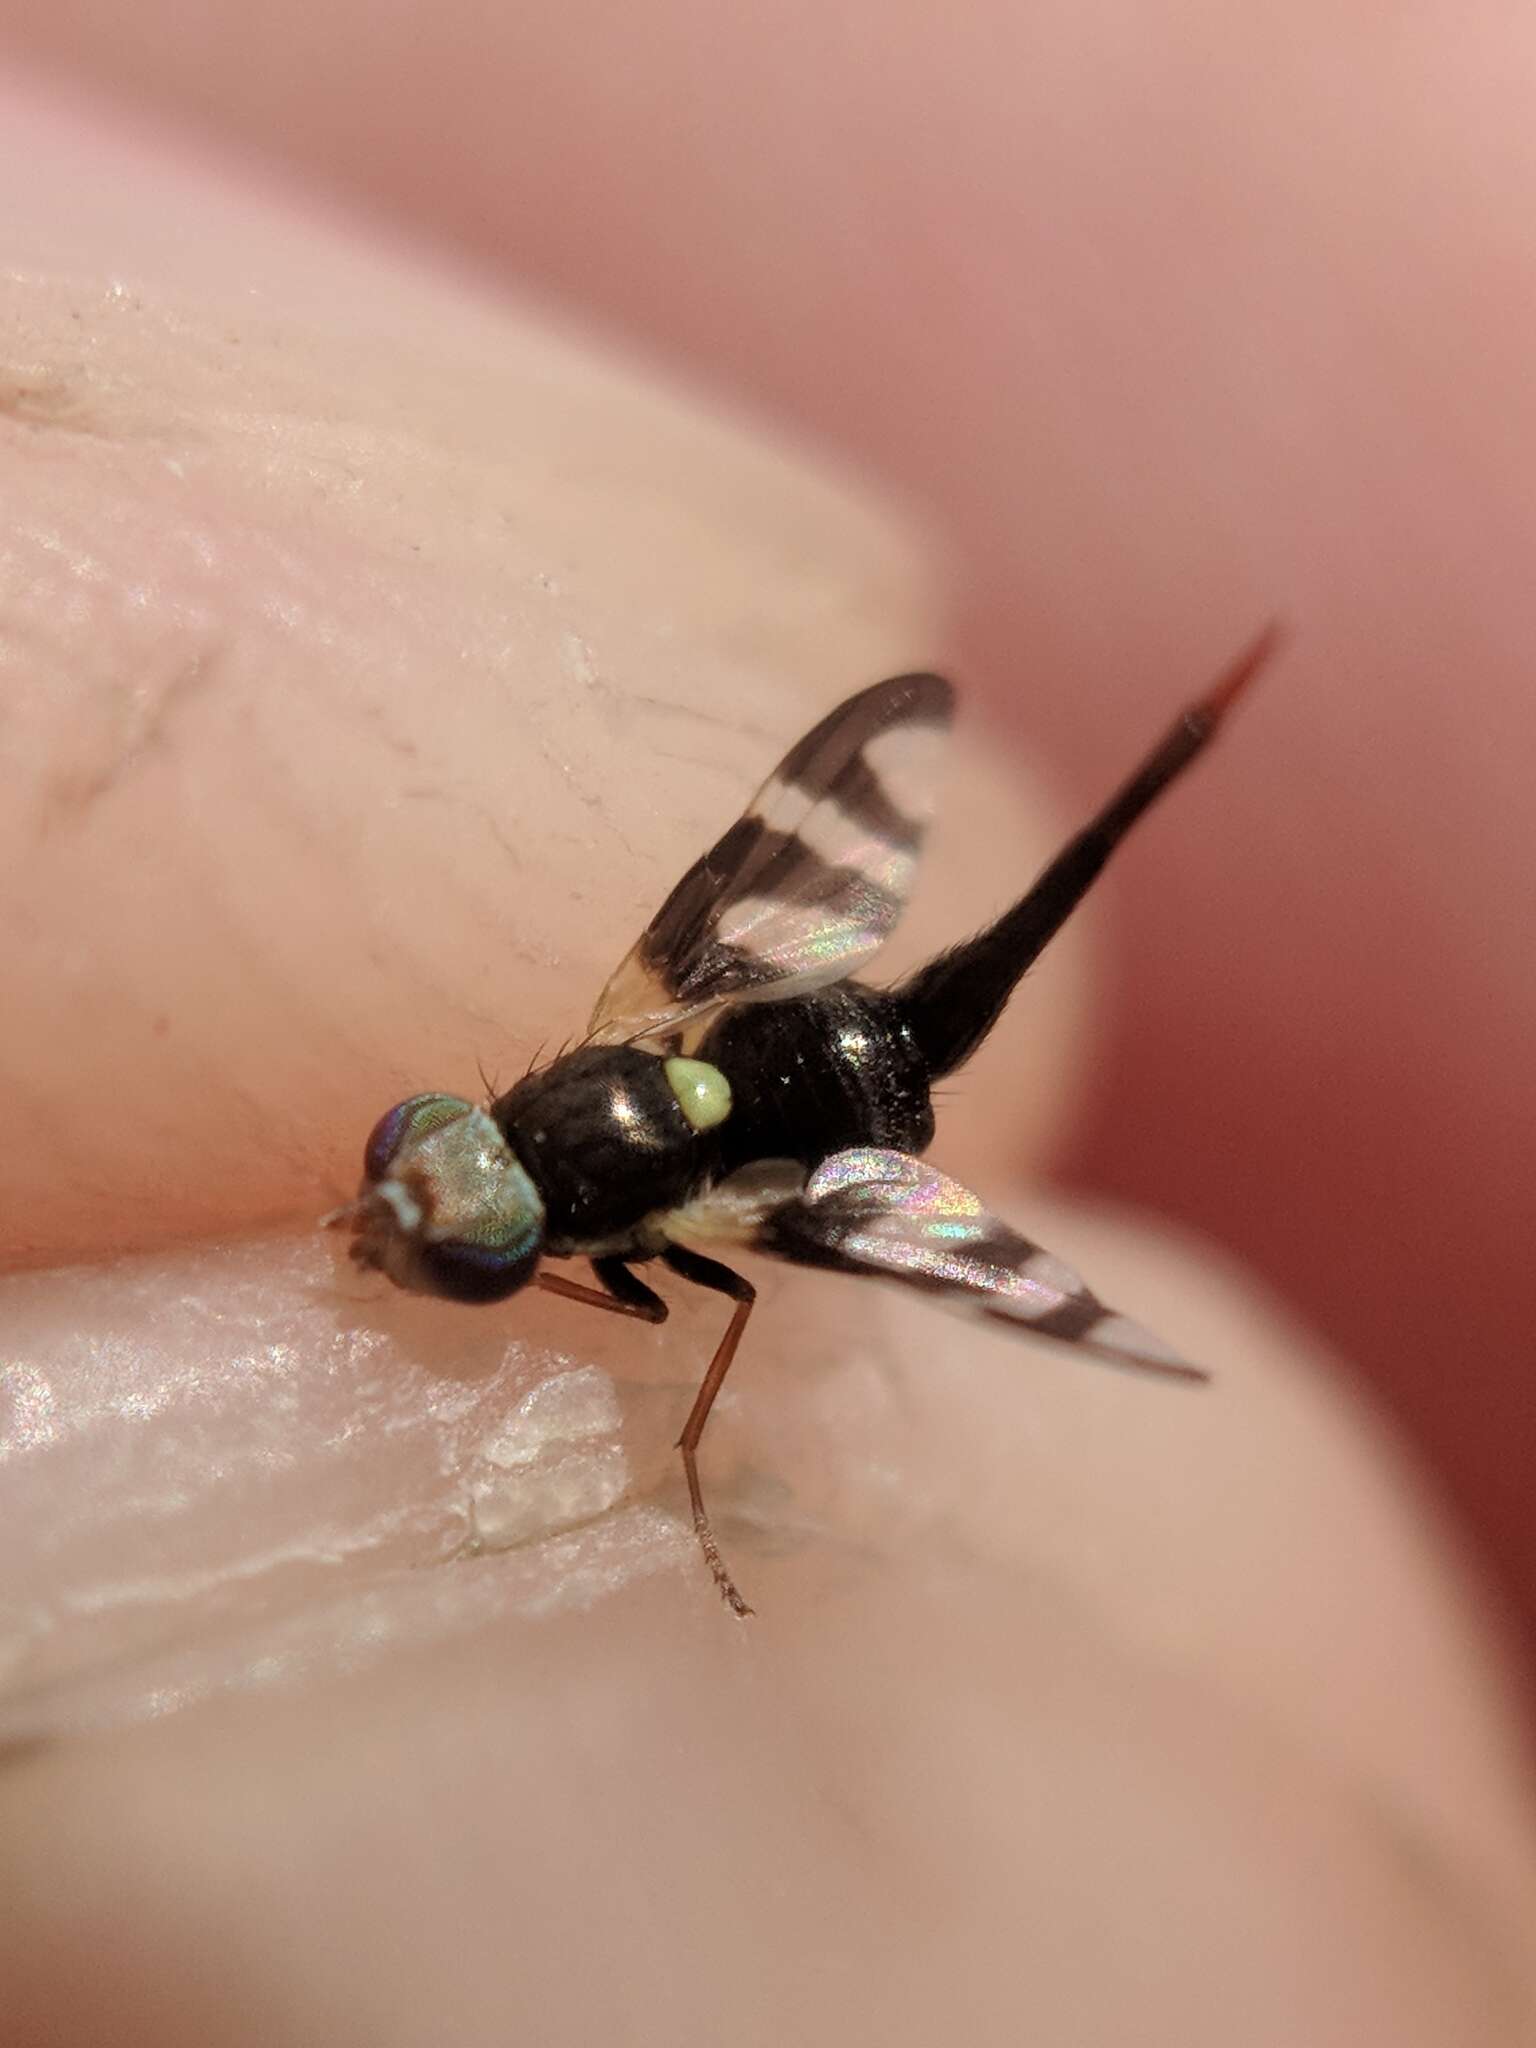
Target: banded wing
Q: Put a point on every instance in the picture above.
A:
(873, 1211)
(808, 882)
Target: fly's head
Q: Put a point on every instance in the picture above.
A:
(444, 1207)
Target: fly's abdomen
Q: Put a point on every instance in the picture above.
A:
(609, 1135)
(818, 1073)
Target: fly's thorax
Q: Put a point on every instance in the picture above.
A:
(611, 1135)
(445, 1206)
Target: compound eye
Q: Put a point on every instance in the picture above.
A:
(406, 1124)
(479, 1272)
(446, 1208)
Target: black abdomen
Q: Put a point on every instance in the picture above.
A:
(816, 1074)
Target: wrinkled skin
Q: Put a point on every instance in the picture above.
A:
(377, 663)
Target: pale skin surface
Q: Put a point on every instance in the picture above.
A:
(372, 685)
(1174, 313)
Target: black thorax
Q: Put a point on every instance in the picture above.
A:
(605, 1141)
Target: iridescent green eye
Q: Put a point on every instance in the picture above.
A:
(404, 1124)
(446, 1207)
(475, 1272)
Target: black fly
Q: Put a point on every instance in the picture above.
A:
(738, 1088)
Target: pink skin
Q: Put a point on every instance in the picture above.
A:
(1173, 316)
(376, 665)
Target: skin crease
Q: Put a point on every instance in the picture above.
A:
(1131, 1714)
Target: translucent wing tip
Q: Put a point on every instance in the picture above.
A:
(1121, 1341)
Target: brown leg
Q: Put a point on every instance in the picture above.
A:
(621, 1291)
(710, 1273)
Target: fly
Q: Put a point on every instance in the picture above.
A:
(739, 1087)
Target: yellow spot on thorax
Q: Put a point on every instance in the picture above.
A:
(702, 1091)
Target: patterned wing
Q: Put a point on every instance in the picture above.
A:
(872, 1211)
(808, 883)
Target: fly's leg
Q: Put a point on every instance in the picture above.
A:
(620, 1292)
(623, 1294)
(710, 1273)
